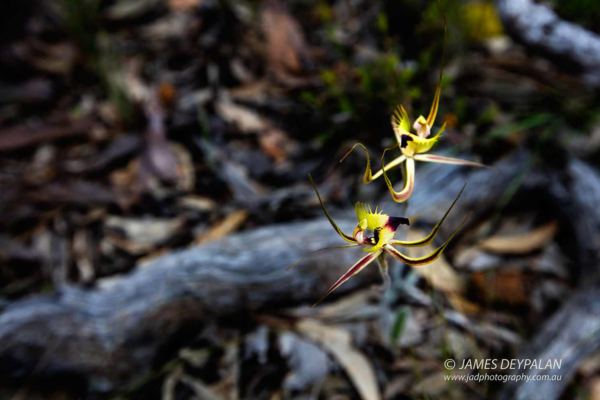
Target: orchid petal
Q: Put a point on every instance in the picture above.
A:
(369, 177)
(447, 160)
(422, 260)
(409, 183)
(337, 228)
(435, 106)
(442, 129)
(396, 161)
(344, 246)
(355, 269)
(429, 238)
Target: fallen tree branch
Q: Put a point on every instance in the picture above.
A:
(105, 338)
(111, 335)
(537, 26)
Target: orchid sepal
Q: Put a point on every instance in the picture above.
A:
(426, 259)
(369, 176)
(409, 183)
(344, 236)
(355, 269)
(436, 102)
(448, 160)
(429, 238)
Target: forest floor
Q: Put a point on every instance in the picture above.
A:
(133, 129)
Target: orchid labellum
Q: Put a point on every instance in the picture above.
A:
(382, 240)
(413, 145)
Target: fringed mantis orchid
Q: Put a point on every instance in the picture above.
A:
(413, 145)
(381, 243)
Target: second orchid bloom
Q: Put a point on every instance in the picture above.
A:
(413, 146)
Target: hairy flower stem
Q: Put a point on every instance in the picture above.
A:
(383, 268)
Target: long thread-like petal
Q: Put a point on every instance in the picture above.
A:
(395, 161)
(436, 99)
(422, 260)
(369, 176)
(447, 160)
(337, 228)
(409, 183)
(343, 246)
(429, 238)
(355, 269)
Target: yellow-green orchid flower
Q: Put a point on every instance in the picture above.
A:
(413, 145)
(380, 244)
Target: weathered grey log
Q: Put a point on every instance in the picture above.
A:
(539, 27)
(583, 188)
(111, 335)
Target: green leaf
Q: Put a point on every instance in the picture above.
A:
(400, 324)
